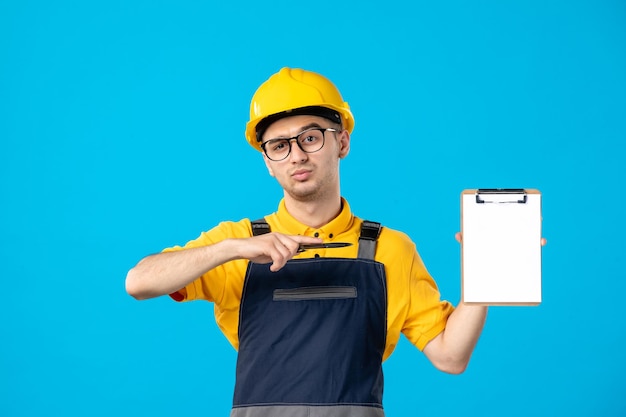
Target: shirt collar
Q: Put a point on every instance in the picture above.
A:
(288, 224)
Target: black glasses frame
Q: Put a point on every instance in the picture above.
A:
(320, 129)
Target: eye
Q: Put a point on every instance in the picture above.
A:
(278, 145)
(310, 137)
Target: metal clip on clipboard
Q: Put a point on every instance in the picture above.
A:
(501, 196)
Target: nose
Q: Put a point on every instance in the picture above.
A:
(296, 153)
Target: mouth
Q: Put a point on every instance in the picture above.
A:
(301, 174)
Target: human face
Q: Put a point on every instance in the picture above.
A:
(308, 176)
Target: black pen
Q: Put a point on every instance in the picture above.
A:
(324, 246)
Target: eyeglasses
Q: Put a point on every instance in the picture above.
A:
(309, 141)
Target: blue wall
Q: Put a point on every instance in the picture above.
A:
(109, 115)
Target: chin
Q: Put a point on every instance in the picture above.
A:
(303, 195)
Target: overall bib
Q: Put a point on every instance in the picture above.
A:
(312, 336)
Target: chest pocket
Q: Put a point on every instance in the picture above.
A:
(314, 293)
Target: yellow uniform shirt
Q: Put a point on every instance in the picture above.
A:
(414, 307)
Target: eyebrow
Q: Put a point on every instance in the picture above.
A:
(302, 129)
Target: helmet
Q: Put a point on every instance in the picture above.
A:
(292, 92)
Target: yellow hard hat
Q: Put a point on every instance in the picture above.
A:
(292, 92)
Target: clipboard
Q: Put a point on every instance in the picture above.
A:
(501, 250)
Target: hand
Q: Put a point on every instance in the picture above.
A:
(459, 238)
(276, 248)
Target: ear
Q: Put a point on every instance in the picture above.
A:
(344, 144)
(267, 164)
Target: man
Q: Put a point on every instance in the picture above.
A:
(312, 325)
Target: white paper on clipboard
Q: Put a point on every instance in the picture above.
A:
(501, 250)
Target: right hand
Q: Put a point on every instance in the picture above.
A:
(276, 248)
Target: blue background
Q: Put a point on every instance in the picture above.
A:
(121, 132)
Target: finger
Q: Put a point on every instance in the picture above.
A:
(286, 247)
(305, 240)
(459, 237)
(289, 242)
(544, 241)
(281, 253)
(277, 266)
(278, 262)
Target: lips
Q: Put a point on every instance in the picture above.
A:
(301, 174)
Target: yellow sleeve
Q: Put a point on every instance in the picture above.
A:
(414, 306)
(427, 314)
(210, 286)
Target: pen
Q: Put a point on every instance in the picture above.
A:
(324, 246)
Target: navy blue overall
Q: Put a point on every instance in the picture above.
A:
(312, 336)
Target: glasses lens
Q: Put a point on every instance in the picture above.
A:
(276, 149)
(311, 140)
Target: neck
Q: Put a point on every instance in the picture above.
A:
(314, 213)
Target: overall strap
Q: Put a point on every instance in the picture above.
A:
(367, 241)
(260, 227)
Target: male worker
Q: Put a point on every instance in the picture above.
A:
(312, 324)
